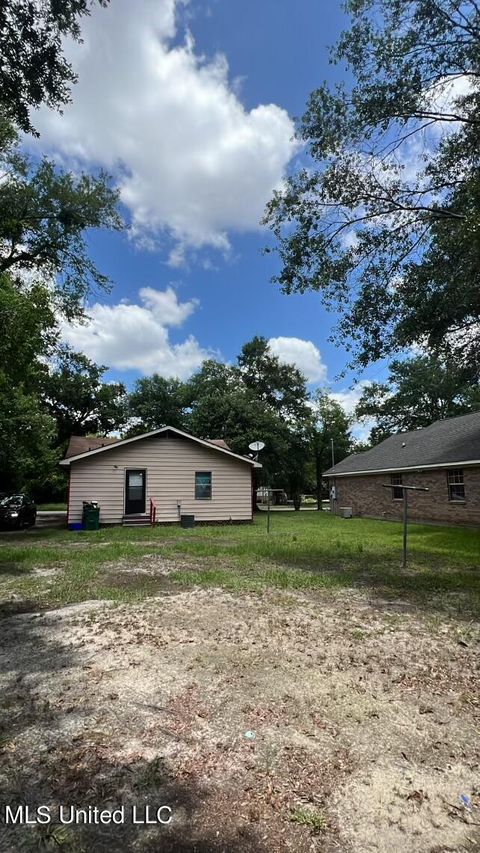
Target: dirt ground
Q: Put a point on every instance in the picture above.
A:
(277, 721)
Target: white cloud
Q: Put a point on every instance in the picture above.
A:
(303, 354)
(135, 337)
(446, 96)
(189, 159)
(165, 306)
(348, 398)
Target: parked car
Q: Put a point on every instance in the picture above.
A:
(17, 511)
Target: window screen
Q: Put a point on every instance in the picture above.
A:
(397, 494)
(456, 487)
(203, 485)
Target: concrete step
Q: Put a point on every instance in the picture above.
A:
(136, 520)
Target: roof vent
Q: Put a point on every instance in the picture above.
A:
(403, 444)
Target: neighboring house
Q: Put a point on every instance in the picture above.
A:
(180, 473)
(444, 457)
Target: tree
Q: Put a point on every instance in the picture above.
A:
(29, 331)
(255, 401)
(156, 402)
(390, 200)
(81, 403)
(213, 381)
(27, 432)
(33, 69)
(441, 292)
(280, 386)
(44, 216)
(47, 392)
(330, 423)
(418, 392)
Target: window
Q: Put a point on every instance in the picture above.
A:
(396, 480)
(456, 487)
(203, 485)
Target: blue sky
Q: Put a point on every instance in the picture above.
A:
(190, 107)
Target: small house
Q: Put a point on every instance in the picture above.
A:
(161, 474)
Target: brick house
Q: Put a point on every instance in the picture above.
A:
(445, 457)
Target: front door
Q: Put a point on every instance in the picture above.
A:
(134, 492)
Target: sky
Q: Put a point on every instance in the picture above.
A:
(190, 106)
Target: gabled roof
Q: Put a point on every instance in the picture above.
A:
(446, 443)
(79, 444)
(106, 444)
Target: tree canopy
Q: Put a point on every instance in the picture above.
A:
(384, 219)
(156, 402)
(29, 336)
(33, 68)
(418, 392)
(45, 215)
(281, 386)
(75, 394)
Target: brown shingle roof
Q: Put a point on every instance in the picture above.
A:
(84, 443)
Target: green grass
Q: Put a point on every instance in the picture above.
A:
(241, 578)
(305, 551)
(52, 507)
(309, 817)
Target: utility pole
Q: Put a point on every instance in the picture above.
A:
(333, 453)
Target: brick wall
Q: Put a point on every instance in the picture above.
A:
(367, 497)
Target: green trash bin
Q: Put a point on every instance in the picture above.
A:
(91, 515)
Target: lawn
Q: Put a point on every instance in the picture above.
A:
(52, 507)
(291, 691)
(302, 551)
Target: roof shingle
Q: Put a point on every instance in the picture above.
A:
(84, 443)
(442, 443)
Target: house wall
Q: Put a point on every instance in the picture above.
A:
(367, 497)
(170, 464)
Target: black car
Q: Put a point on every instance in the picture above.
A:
(17, 511)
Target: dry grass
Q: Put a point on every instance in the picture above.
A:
(359, 744)
(132, 670)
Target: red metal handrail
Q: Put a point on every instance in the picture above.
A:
(153, 511)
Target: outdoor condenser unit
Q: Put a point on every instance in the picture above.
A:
(346, 512)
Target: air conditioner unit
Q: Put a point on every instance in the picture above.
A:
(346, 512)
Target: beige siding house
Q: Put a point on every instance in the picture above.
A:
(181, 474)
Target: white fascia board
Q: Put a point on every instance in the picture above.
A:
(419, 468)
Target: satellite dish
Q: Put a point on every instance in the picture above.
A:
(256, 446)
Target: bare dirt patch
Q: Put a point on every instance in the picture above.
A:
(268, 722)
